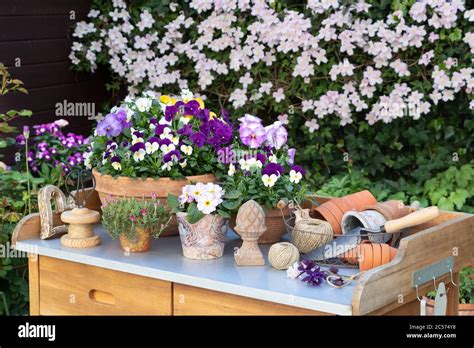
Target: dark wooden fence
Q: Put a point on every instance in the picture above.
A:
(37, 34)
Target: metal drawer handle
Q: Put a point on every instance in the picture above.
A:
(102, 297)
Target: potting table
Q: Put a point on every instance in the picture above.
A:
(104, 280)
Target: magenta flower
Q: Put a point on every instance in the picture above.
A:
(276, 135)
(110, 126)
(252, 134)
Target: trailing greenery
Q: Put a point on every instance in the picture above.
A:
(466, 288)
(121, 216)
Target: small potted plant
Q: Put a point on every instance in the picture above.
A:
(261, 167)
(134, 221)
(201, 220)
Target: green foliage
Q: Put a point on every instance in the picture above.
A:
(466, 288)
(123, 215)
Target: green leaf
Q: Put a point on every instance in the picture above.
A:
(459, 197)
(231, 205)
(194, 214)
(234, 194)
(172, 201)
(223, 213)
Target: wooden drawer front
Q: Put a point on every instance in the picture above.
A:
(70, 288)
(189, 300)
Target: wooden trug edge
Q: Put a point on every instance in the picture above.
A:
(382, 286)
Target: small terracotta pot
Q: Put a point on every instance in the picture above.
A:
(391, 210)
(370, 255)
(140, 242)
(275, 222)
(360, 200)
(203, 240)
(333, 210)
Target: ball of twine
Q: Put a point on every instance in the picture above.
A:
(283, 255)
(309, 234)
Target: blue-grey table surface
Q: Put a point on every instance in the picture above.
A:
(165, 261)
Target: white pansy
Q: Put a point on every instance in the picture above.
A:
(143, 104)
(269, 180)
(87, 160)
(183, 163)
(151, 147)
(272, 159)
(295, 177)
(139, 155)
(186, 149)
(167, 166)
(136, 139)
(231, 171)
(167, 148)
(117, 165)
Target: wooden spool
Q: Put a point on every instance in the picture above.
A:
(80, 232)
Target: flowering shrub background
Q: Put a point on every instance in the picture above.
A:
(397, 74)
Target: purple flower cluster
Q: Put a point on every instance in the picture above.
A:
(51, 146)
(312, 272)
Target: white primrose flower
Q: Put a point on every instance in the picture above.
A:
(151, 147)
(139, 155)
(295, 177)
(197, 190)
(143, 104)
(186, 149)
(207, 203)
(231, 171)
(269, 180)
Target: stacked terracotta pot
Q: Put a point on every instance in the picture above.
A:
(333, 210)
(370, 255)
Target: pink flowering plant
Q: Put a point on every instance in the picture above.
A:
(121, 216)
(53, 152)
(159, 136)
(260, 166)
(198, 200)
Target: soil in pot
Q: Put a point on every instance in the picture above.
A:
(140, 242)
(110, 187)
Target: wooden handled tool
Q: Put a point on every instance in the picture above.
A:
(412, 219)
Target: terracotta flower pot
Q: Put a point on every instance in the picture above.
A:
(122, 186)
(203, 240)
(391, 210)
(138, 243)
(370, 255)
(333, 210)
(275, 222)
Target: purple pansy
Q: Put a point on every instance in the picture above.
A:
(109, 126)
(186, 130)
(170, 112)
(273, 168)
(175, 154)
(252, 134)
(137, 146)
(261, 157)
(276, 135)
(191, 108)
(159, 129)
(198, 138)
(122, 117)
(299, 170)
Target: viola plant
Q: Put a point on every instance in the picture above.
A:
(311, 273)
(51, 152)
(261, 167)
(199, 200)
(151, 136)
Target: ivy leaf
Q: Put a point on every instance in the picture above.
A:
(194, 214)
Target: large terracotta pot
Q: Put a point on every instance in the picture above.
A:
(122, 186)
(275, 222)
(140, 242)
(203, 240)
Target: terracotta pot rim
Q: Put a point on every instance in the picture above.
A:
(148, 179)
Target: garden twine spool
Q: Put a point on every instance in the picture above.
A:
(283, 255)
(309, 234)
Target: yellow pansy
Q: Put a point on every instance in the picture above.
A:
(212, 114)
(201, 103)
(165, 99)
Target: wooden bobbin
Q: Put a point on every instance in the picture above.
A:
(80, 230)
